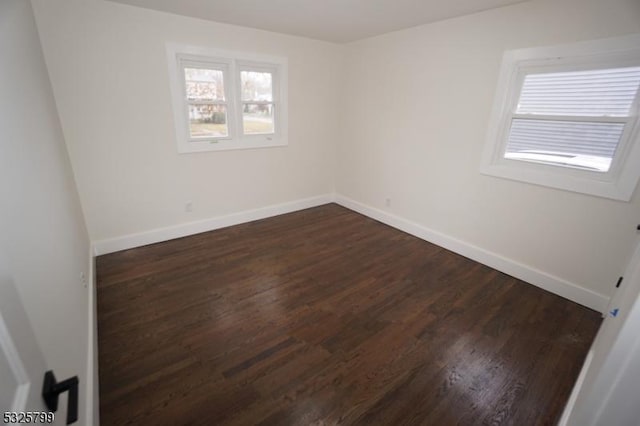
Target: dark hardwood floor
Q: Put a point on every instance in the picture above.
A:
(325, 317)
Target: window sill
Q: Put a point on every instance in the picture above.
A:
(590, 183)
(231, 144)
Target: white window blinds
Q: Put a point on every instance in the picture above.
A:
(573, 119)
(593, 93)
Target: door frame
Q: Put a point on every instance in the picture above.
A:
(17, 368)
(615, 345)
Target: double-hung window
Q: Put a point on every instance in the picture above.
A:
(227, 100)
(207, 104)
(257, 101)
(567, 117)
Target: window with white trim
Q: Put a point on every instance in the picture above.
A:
(567, 117)
(227, 100)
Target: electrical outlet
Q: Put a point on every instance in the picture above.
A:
(188, 206)
(83, 279)
(387, 202)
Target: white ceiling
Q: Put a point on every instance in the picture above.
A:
(338, 21)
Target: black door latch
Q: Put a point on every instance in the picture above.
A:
(51, 389)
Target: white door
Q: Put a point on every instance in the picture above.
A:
(22, 366)
(607, 391)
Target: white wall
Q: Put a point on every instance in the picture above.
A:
(417, 105)
(108, 68)
(42, 232)
(401, 116)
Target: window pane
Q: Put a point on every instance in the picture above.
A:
(206, 120)
(204, 84)
(257, 118)
(257, 86)
(593, 93)
(565, 143)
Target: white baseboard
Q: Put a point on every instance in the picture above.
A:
(516, 269)
(568, 408)
(556, 285)
(92, 391)
(190, 228)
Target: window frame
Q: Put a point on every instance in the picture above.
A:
(230, 63)
(619, 181)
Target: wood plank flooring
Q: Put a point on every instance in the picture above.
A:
(326, 317)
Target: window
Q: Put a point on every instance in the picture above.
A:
(257, 101)
(567, 117)
(206, 101)
(227, 100)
